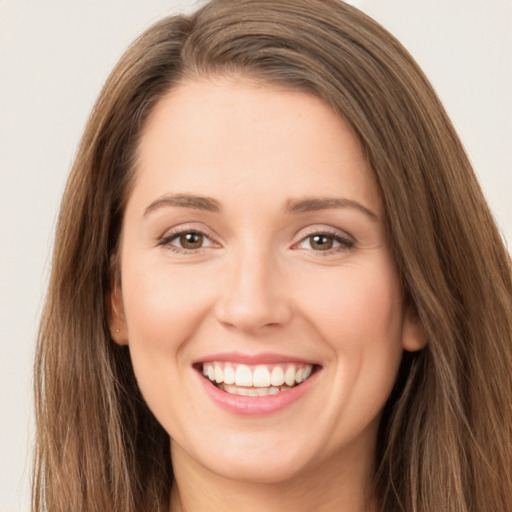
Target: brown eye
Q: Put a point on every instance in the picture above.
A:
(325, 242)
(186, 241)
(321, 242)
(191, 240)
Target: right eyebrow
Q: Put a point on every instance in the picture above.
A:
(184, 201)
(313, 204)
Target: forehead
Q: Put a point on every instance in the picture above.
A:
(211, 136)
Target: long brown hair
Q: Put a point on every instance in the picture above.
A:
(445, 441)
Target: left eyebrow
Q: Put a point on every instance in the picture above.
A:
(312, 204)
(184, 201)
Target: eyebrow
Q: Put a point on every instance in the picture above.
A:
(312, 204)
(309, 204)
(184, 201)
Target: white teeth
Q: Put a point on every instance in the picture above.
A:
(260, 377)
(243, 375)
(243, 391)
(277, 377)
(289, 376)
(219, 374)
(229, 374)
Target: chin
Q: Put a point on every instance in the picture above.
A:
(257, 461)
(270, 470)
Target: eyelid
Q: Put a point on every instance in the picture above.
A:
(323, 229)
(170, 234)
(345, 240)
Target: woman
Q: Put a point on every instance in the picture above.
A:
(276, 282)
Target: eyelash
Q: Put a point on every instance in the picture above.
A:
(345, 243)
(166, 240)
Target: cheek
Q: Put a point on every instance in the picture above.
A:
(359, 315)
(356, 306)
(163, 306)
(164, 302)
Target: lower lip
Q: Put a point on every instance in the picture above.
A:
(256, 405)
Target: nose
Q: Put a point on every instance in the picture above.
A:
(254, 293)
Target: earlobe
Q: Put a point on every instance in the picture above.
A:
(414, 337)
(117, 322)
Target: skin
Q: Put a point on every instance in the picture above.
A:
(258, 283)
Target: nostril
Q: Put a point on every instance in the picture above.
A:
(253, 302)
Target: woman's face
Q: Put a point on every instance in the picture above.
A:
(254, 250)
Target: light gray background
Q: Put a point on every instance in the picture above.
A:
(54, 57)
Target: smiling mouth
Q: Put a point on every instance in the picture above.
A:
(258, 380)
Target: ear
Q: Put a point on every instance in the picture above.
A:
(116, 320)
(414, 337)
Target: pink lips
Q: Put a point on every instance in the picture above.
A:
(252, 360)
(255, 405)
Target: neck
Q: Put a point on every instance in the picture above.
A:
(339, 484)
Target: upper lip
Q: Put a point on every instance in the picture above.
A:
(253, 359)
